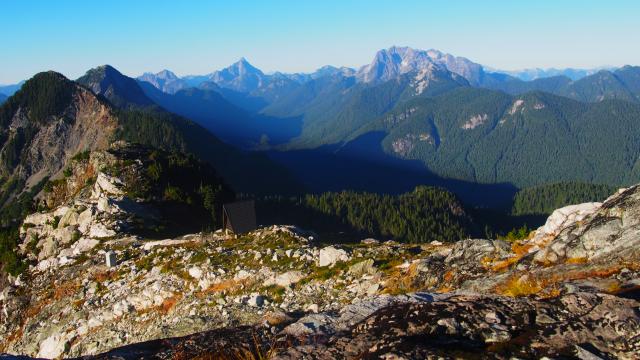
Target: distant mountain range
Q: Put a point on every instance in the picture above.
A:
(408, 117)
(402, 107)
(8, 90)
(537, 73)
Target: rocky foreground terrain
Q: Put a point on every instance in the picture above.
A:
(568, 291)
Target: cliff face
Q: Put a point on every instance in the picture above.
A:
(87, 124)
(568, 290)
(38, 144)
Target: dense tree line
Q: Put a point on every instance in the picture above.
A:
(11, 214)
(423, 215)
(46, 94)
(544, 199)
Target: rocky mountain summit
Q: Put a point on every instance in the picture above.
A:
(570, 290)
(390, 63)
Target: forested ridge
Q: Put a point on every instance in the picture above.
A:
(537, 138)
(544, 199)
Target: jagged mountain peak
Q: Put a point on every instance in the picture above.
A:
(239, 76)
(397, 60)
(242, 67)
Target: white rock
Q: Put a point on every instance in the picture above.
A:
(84, 220)
(63, 260)
(64, 235)
(48, 248)
(59, 212)
(256, 301)
(563, 217)
(195, 272)
(84, 245)
(103, 204)
(286, 279)
(53, 346)
(330, 255)
(313, 308)
(69, 218)
(100, 231)
(373, 289)
(242, 274)
(38, 219)
(47, 264)
(151, 244)
(108, 184)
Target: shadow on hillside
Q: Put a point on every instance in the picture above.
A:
(362, 165)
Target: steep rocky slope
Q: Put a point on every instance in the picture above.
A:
(569, 290)
(47, 122)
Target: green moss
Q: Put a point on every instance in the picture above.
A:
(81, 156)
(274, 292)
(199, 257)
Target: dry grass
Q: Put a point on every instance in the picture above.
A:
(65, 290)
(228, 286)
(102, 276)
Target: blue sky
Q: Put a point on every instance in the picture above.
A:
(196, 37)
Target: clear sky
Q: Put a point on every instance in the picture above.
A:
(197, 37)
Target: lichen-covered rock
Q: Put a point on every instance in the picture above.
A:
(609, 232)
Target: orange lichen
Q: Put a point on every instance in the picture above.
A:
(504, 264)
(169, 303)
(448, 276)
(578, 260)
(519, 251)
(520, 286)
(547, 285)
